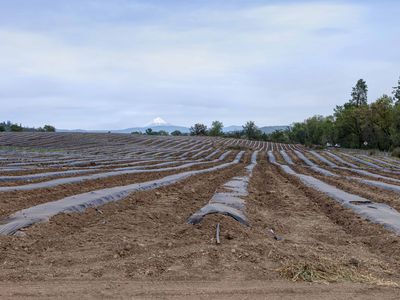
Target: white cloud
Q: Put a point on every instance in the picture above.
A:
(257, 61)
(173, 53)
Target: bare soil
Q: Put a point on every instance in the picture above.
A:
(145, 238)
(142, 247)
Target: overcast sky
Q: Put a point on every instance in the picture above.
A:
(96, 64)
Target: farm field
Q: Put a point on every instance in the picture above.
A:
(114, 215)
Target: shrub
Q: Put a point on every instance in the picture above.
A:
(396, 152)
(198, 129)
(49, 128)
(176, 133)
(161, 132)
(16, 128)
(317, 147)
(149, 131)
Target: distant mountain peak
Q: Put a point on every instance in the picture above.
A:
(158, 122)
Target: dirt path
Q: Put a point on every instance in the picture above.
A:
(232, 289)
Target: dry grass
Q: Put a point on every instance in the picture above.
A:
(325, 271)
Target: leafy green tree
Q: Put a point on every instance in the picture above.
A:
(395, 127)
(317, 130)
(278, 136)
(381, 119)
(2, 128)
(298, 133)
(16, 128)
(149, 131)
(176, 133)
(251, 131)
(396, 93)
(216, 128)
(353, 123)
(237, 134)
(350, 118)
(359, 93)
(49, 128)
(198, 129)
(349, 125)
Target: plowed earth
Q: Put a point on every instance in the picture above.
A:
(142, 248)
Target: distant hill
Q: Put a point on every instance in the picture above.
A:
(270, 129)
(232, 128)
(158, 124)
(265, 129)
(167, 128)
(81, 130)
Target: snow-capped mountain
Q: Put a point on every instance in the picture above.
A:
(158, 122)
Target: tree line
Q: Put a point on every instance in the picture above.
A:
(356, 124)
(249, 131)
(8, 126)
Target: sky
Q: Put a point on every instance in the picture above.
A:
(99, 64)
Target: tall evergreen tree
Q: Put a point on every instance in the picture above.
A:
(359, 93)
(396, 93)
(216, 128)
(251, 131)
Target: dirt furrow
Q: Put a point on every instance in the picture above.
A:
(17, 200)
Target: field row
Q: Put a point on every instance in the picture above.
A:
(321, 206)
